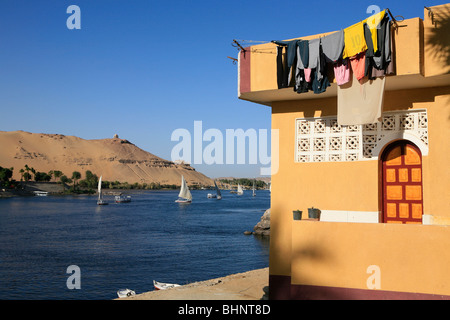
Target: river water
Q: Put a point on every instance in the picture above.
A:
(125, 245)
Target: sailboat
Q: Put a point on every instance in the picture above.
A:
(100, 200)
(240, 191)
(185, 195)
(217, 196)
(254, 193)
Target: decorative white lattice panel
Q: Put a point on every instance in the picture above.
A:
(324, 140)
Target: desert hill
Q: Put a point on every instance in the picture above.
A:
(115, 159)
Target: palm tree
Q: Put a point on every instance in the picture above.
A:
(27, 175)
(75, 176)
(57, 174)
(64, 180)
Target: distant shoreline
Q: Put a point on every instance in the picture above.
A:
(27, 188)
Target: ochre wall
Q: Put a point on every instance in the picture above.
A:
(437, 40)
(350, 186)
(407, 258)
(328, 254)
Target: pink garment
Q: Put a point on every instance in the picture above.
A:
(308, 74)
(342, 72)
(359, 65)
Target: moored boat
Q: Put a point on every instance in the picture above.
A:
(40, 193)
(123, 293)
(163, 286)
(122, 199)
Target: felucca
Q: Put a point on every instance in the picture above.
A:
(100, 200)
(185, 195)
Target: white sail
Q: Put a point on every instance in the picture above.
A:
(219, 195)
(254, 193)
(100, 188)
(184, 192)
(239, 189)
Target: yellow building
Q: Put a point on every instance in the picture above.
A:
(382, 188)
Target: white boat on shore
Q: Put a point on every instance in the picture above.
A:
(40, 193)
(185, 195)
(124, 293)
(100, 200)
(164, 286)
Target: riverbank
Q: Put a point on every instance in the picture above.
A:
(251, 285)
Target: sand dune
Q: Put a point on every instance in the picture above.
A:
(115, 159)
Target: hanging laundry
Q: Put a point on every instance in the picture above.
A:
(320, 80)
(301, 85)
(308, 74)
(342, 71)
(358, 64)
(319, 85)
(284, 67)
(373, 24)
(333, 46)
(282, 76)
(302, 54)
(354, 40)
(384, 57)
(316, 58)
(381, 64)
(313, 77)
(302, 63)
(360, 103)
(314, 55)
(370, 52)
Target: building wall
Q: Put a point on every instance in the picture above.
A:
(349, 186)
(436, 40)
(387, 261)
(310, 259)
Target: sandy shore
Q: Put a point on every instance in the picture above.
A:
(242, 286)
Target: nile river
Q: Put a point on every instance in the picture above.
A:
(125, 245)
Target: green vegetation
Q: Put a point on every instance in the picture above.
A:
(259, 184)
(5, 177)
(90, 181)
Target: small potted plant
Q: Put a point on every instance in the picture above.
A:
(313, 213)
(297, 214)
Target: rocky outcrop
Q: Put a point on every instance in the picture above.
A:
(262, 228)
(115, 159)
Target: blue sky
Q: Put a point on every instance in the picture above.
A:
(142, 68)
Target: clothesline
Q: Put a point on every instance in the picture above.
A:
(353, 56)
(238, 43)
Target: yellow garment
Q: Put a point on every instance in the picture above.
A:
(354, 40)
(373, 22)
(354, 35)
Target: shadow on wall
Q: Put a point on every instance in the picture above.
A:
(438, 44)
(317, 257)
